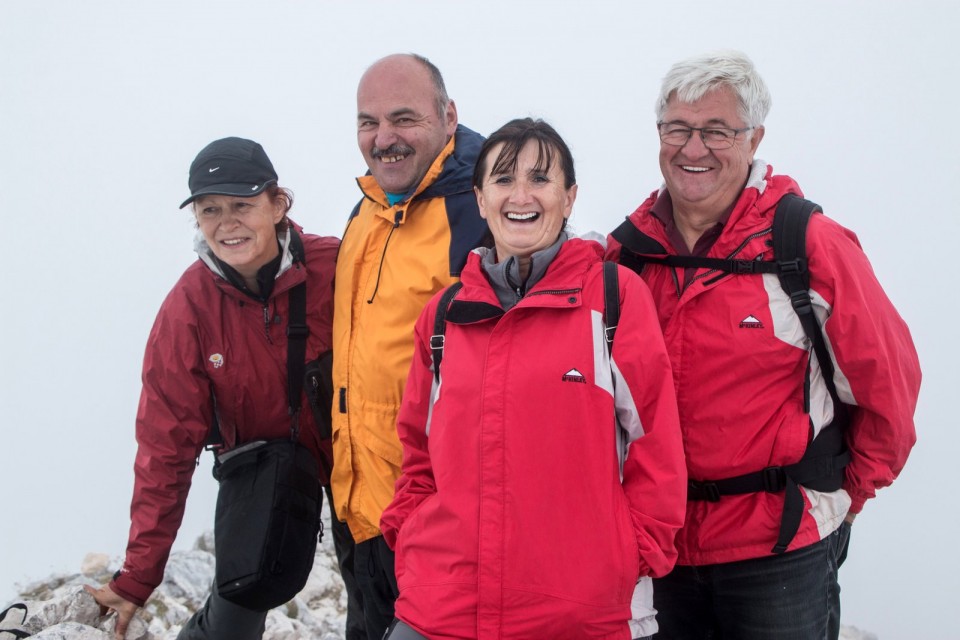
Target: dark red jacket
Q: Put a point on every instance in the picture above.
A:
(210, 339)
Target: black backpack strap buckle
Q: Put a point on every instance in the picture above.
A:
(297, 331)
(608, 333)
(706, 491)
(801, 302)
(791, 267)
(741, 267)
(774, 479)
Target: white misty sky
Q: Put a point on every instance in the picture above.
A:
(103, 105)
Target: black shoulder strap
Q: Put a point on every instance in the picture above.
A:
(297, 332)
(611, 302)
(635, 246)
(637, 249)
(790, 251)
(440, 326)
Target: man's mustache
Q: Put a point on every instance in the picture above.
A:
(392, 150)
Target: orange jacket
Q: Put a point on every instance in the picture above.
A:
(392, 260)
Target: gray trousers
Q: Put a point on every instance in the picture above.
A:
(402, 631)
(220, 619)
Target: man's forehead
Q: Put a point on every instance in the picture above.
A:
(718, 106)
(391, 114)
(394, 95)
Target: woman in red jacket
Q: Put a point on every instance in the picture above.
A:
(543, 473)
(218, 350)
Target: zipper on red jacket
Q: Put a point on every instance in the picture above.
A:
(545, 292)
(554, 292)
(266, 322)
(724, 274)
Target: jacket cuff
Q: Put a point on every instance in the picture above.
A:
(131, 590)
(857, 502)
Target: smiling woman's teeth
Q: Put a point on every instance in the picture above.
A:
(521, 216)
(231, 243)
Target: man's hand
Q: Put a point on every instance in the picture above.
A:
(849, 518)
(109, 601)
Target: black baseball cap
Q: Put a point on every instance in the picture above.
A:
(230, 167)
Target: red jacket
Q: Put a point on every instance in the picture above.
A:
(510, 519)
(739, 355)
(210, 338)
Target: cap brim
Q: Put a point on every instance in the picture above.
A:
(238, 190)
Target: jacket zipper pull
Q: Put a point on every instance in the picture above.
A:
(266, 320)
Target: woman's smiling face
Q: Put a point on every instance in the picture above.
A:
(240, 231)
(525, 205)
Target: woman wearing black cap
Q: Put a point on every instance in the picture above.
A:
(217, 353)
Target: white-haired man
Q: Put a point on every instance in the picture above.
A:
(783, 447)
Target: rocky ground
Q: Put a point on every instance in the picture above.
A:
(59, 609)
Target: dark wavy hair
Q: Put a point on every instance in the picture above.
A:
(514, 136)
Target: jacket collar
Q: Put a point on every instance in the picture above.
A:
(504, 276)
(565, 273)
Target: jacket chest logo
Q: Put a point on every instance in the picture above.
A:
(751, 322)
(217, 360)
(573, 376)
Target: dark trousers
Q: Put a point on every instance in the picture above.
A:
(373, 564)
(220, 619)
(793, 596)
(344, 546)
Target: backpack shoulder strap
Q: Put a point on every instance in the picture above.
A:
(440, 326)
(635, 246)
(297, 332)
(790, 242)
(790, 252)
(611, 302)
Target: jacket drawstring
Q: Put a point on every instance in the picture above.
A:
(396, 223)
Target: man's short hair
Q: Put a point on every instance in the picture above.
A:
(442, 99)
(694, 77)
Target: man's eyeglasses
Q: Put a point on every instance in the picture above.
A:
(678, 135)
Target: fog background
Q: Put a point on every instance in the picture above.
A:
(103, 106)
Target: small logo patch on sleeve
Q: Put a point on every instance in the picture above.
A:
(750, 322)
(217, 360)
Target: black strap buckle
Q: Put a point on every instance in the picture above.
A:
(297, 331)
(608, 333)
(774, 479)
(744, 266)
(436, 342)
(801, 302)
(708, 491)
(797, 265)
